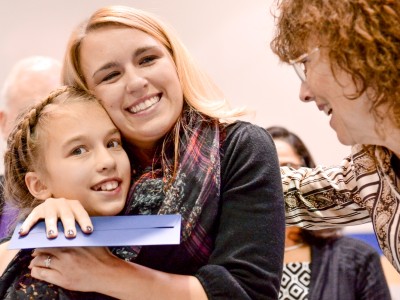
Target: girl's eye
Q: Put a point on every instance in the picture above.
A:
(78, 151)
(114, 144)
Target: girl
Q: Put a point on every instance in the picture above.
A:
(58, 149)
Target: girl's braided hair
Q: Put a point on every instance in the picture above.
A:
(25, 146)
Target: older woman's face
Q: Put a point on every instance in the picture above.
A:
(351, 119)
(135, 77)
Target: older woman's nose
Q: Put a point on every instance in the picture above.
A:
(305, 93)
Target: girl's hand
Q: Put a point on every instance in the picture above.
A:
(75, 269)
(51, 209)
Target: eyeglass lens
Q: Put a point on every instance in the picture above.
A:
(300, 70)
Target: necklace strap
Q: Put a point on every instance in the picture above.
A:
(294, 247)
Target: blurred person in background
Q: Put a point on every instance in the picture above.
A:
(30, 80)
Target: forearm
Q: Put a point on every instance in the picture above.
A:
(328, 194)
(125, 280)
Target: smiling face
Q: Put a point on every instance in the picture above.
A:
(134, 76)
(351, 119)
(84, 159)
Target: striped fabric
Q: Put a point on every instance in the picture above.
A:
(363, 188)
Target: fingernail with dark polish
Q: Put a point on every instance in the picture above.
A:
(50, 232)
(70, 232)
(20, 230)
(89, 228)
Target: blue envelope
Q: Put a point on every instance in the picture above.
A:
(137, 230)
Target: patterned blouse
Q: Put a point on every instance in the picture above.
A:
(295, 283)
(363, 188)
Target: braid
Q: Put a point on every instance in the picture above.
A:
(23, 154)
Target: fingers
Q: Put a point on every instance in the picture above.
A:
(48, 210)
(67, 210)
(42, 260)
(80, 215)
(44, 267)
(83, 219)
(51, 218)
(60, 266)
(68, 220)
(31, 220)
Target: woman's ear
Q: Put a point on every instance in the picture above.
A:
(36, 186)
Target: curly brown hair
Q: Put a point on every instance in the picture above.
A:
(25, 146)
(362, 37)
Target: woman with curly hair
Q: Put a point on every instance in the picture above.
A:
(347, 55)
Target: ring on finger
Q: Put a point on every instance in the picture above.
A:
(47, 262)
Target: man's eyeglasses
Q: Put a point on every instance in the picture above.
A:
(299, 64)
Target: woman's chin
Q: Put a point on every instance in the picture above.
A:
(344, 140)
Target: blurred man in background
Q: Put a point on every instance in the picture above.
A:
(30, 80)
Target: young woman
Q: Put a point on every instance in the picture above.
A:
(186, 159)
(57, 149)
(347, 55)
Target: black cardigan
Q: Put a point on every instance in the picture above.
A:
(347, 269)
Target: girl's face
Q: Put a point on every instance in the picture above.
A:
(135, 77)
(84, 159)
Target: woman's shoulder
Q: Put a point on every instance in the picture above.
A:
(243, 126)
(246, 142)
(242, 130)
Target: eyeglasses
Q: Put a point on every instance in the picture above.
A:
(299, 64)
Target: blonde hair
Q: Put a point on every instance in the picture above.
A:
(362, 37)
(25, 146)
(199, 92)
